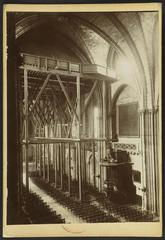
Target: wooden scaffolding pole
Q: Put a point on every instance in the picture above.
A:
(55, 163)
(61, 160)
(48, 154)
(78, 135)
(84, 160)
(36, 157)
(40, 92)
(104, 94)
(61, 165)
(90, 96)
(40, 154)
(66, 95)
(94, 164)
(103, 144)
(44, 161)
(26, 127)
(35, 149)
(69, 169)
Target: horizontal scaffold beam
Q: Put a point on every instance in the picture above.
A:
(52, 80)
(43, 140)
(90, 76)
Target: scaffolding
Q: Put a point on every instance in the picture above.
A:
(51, 109)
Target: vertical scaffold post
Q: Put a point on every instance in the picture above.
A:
(104, 94)
(69, 169)
(40, 153)
(78, 134)
(55, 163)
(61, 158)
(64, 161)
(61, 161)
(44, 160)
(84, 159)
(26, 127)
(48, 152)
(94, 164)
(36, 156)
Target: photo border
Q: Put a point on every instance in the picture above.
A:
(148, 230)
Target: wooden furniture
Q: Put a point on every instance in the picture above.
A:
(119, 184)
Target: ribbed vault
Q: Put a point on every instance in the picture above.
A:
(128, 35)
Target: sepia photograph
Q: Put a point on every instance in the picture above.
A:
(82, 120)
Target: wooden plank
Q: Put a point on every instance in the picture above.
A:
(48, 166)
(78, 135)
(55, 164)
(90, 96)
(43, 115)
(46, 140)
(104, 94)
(26, 127)
(64, 161)
(59, 104)
(39, 79)
(78, 104)
(79, 170)
(101, 179)
(61, 169)
(40, 154)
(86, 76)
(36, 158)
(36, 119)
(85, 167)
(32, 121)
(35, 89)
(69, 169)
(45, 110)
(94, 164)
(44, 162)
(41, 91)
(72, 117)
(66, 95)
(50, 107)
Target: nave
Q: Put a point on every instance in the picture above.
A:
(84, 119)
(47, 204)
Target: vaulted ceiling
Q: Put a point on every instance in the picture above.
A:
(124, 41)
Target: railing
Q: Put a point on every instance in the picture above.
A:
(51, 64)
(95, 68)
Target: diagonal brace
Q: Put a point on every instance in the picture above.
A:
(90, 96)
(66, 95)
(40, 92)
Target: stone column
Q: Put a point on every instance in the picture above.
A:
(104, 96)
(149, 148)
(142, 136)
(109, 113)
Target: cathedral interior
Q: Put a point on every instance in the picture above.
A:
(83, 99)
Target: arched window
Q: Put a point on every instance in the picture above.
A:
(126, 114)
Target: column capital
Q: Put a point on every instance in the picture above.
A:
(148, 110)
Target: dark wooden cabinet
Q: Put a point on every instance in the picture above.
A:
(119, 184)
